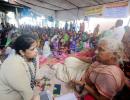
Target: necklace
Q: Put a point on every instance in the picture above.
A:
(33, 75)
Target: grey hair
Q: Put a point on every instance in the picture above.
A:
(114, 46)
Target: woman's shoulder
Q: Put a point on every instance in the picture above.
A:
(113, 71)
(109, 80)
(13, 64)
(114, 68)
(13, 60)
(106, 69)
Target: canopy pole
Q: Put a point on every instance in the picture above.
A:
(16, 16)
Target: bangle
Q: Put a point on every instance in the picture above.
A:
(80, 88)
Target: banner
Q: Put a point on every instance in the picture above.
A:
(27, 12)
(116, 4)
(95, 10)
(116, 10)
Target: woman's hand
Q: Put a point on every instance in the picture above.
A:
(73, 83)
(79, 88)
(39, 84)
(87, 88)
(77, 82)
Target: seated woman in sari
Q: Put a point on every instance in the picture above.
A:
(73, 66)
(104, 79)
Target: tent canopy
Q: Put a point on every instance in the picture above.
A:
(5, 6)
(59, 5)
(62, 9)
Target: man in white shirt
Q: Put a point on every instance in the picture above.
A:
(118, 31)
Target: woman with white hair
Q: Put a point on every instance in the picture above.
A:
(104, 79)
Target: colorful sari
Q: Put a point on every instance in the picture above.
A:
(108, 80)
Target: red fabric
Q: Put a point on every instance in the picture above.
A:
(89, 53)
(88, 97)
(42, 60)
(62, 57)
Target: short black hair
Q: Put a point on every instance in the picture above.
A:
(23, 42)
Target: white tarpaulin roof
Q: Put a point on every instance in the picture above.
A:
(51, 7)
(64, 4)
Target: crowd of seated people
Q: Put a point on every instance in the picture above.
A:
(60, 41)
(104, 78)
(8, 33)
(102, 69)
(107, 76)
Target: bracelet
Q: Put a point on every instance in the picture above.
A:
(81, 88)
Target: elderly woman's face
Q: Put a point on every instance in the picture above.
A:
(103, 55)
(32, 51)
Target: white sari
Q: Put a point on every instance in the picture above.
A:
(72, 68)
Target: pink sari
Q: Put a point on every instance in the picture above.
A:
(107, 79)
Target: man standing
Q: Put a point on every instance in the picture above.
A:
(118, 31)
